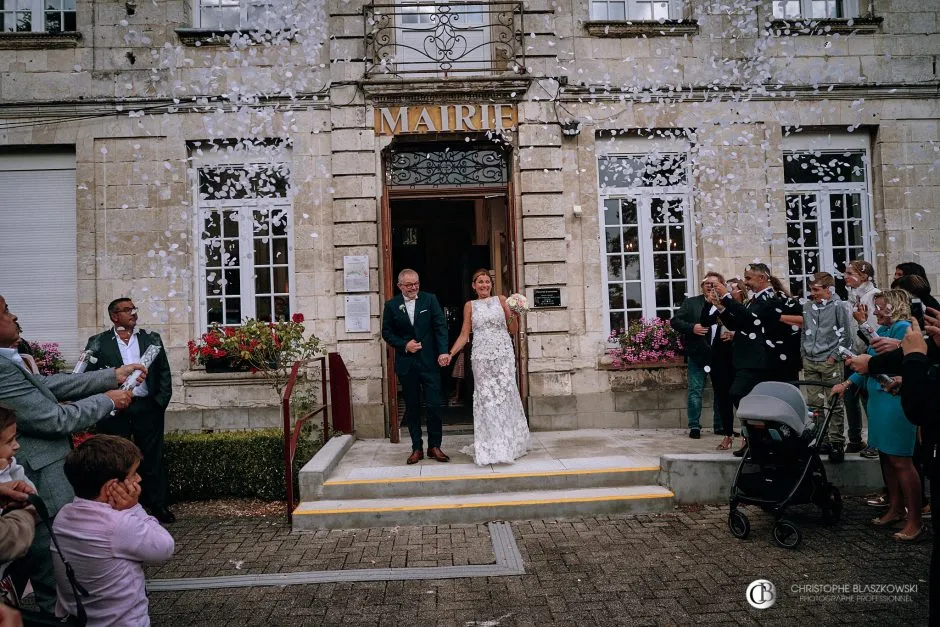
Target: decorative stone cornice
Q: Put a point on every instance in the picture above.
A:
(581, 93)
(39, 41)
(641, 28)
(826, 26)
(412, 91)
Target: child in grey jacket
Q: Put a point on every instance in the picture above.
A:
(827, 326)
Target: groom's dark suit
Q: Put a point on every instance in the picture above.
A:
(420, 369)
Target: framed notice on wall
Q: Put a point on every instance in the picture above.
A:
(357, 313)
(356, 273)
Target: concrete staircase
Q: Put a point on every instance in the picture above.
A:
(365, 483)
(431, 493)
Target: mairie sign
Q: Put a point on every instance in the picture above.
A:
(443, 118)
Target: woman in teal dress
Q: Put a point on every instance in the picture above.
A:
(888, 429)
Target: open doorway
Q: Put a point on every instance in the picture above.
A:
(445, 239)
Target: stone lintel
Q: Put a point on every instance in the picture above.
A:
(414, 91)
(826, 26)
(39, 41)
(221, 37)
(641, 28)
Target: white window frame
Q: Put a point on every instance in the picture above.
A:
(643, 197)
(849, 8)
(246, 236)
(243, 16)
(634, 10)
(37, 11)
(823, 191)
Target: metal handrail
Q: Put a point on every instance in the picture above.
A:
(339, 399)
(292, 430)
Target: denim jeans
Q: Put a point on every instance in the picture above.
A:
(697, 377)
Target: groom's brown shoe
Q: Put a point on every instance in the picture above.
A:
(438, 455)
(416, 456)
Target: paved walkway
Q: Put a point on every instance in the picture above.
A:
(678, 568)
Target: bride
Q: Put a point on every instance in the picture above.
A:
(500, 431)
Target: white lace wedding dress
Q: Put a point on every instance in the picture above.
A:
(500, 431)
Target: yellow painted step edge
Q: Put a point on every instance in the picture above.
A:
(405, 508)
(499, 475)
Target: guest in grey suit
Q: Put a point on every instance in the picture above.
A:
(44, 424)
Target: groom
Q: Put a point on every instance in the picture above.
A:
(413, 323)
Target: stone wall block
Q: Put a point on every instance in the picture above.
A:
(544, 204)
(553, 405)
(534, 134)
(660, 419)
(543, 181)
(543, 228)
(545, 273)
(540, 158)
(353, 139)
(548, 321)
(550, 384)
(354, 186)
(354, 163)
(545, 250)
(355, 210)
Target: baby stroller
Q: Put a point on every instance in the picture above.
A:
(782, 466)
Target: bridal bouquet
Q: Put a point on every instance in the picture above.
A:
(517, 303)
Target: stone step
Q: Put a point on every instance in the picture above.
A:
(431, 478)
(478, 508)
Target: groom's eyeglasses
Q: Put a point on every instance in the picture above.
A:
(409, 285)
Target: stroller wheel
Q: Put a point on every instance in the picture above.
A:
(738, 524)
(787, 534)
(832, 505)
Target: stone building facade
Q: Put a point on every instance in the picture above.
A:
(600, 157)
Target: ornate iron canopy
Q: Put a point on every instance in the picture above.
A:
(447, 166)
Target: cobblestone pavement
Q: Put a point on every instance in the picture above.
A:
(677, 568)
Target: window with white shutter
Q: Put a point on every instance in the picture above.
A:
(38, 246)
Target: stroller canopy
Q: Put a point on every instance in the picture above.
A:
(777, 402)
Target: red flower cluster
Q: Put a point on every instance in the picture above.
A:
(209, 345)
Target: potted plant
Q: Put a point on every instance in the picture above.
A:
(645, 342)
(270, 348)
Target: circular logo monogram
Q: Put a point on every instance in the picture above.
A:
(761, 594)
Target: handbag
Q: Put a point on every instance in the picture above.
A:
(39, 618)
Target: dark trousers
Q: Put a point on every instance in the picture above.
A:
(36, 567)
(722, 378)
(142, 422)
(411, 384)
(744, 381)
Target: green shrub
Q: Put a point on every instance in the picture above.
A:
(227, 464)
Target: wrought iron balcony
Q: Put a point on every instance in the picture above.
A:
(428, 39)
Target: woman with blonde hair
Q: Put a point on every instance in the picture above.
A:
(500, 428)
(888, 429)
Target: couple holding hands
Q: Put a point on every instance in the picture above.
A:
(413, 324)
